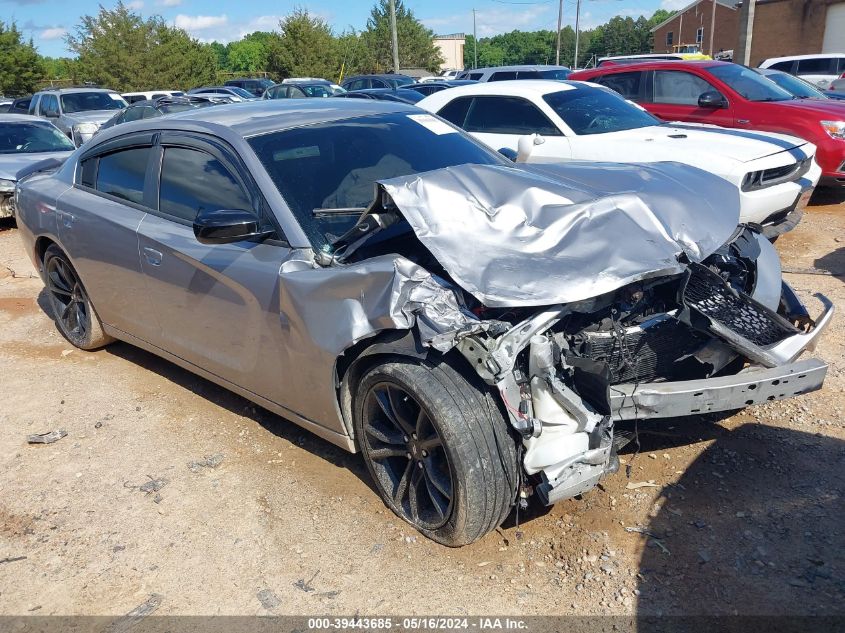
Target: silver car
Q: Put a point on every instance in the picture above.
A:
(477, 330)
(78, 112)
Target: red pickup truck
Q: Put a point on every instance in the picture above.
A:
(730, 95)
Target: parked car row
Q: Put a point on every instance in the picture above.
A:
(478, 329)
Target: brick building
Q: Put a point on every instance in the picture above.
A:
(795, 27)
(692, 25)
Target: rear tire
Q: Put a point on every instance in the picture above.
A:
(73, 313)
(438, 448)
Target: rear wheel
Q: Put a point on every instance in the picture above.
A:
(438, 449)
(72, 309)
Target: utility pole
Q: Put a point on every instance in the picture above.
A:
(742, 55)
(559, 21)
(712, 27)
(474, 43)
(393, 36)
(577, 33)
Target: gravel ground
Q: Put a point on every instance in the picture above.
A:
(168, 486)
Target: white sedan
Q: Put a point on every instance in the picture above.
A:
(571, 120)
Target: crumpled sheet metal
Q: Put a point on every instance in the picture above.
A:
(539, 235)
(328, 311)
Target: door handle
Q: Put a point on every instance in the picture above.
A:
(743, 121)
(152, 256)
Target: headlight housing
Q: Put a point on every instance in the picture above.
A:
(86, 128)
(7, 186)
(835, 129)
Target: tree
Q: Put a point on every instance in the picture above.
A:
(306, 48)
(119, 49)
(21, 67)
(416, 42)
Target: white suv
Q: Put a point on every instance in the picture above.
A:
(820, 69)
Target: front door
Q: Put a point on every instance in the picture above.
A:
(217, 304)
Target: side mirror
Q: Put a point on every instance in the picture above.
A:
(526, 146)
(712, 99)
(508, 153)
(224, 226)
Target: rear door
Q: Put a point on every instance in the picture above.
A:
(98, 219)
(217, 305)
(819, 70)
(674, 97)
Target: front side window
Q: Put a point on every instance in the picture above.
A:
(31, 138)
(317, 90)
(456, 110)
(192, 181)
(122, 173)
(135, 113)
(784, 66)
(597, 111)
(507, 115)
(49, 105)
(676, 87)
(86, 101)
(749, 84)
(503, 76)
(626, 84)
(334, 166)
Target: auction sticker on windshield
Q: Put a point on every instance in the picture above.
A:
(432, 123)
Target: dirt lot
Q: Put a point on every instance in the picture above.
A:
(255, 516)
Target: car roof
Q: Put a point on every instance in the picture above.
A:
(379, 75)
(273, 115)
(21, 118)
(655, 63)
(519, 67)
(799, 57)
(62, 91)
(516, 87)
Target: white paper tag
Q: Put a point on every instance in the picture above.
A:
(432, 123)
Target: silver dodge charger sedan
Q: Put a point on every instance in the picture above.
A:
(476, 329)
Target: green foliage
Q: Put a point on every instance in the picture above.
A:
(21, 67)
(250, 54)
(119, 49)
(618, 36)
(416, 42)
(306, 48)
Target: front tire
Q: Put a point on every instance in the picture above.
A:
(438, 449)
(72, 310)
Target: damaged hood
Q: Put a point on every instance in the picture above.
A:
(546, 234)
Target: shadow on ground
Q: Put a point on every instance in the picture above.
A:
(754, 526)
(827, 195)
(833, 262)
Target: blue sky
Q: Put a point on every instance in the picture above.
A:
(47, 21)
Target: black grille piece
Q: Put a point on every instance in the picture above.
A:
(707, 293)
(644, 353)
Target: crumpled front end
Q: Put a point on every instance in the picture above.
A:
(583, 306)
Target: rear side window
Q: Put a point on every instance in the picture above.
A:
(475, 76)
(49, 105)
(815, 66)
(378, 83)
(456, 111)
(122, 173)
(507, 115)
(192, 180)
(626, 84)
(678, 88)
(503, 76)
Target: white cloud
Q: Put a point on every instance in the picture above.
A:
(53, 33)
(194, 23)
(135, 5)
(492, 21)
(168, 3)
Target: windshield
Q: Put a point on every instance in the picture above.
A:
(555, 74)
(31, 138)
(749, 84)
(85, 101)
(796, 86)
(596, 111)
(243, 94)
(333, 166)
